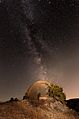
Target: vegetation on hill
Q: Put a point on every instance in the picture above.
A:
(57, 92)
(53, 107)
(45, 110)
(47, 90)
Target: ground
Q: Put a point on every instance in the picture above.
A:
(43, 109)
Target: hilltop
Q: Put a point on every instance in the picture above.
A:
(43, 109)
(42, 100)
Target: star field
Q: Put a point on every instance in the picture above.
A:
(38, 39)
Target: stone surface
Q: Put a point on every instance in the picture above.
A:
(38, 88)
(43, 109)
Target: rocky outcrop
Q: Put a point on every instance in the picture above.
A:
(42, 109)
(42, 106)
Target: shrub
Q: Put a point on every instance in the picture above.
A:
(16, 99)
(25, 96)
(11, 99)
(56, 92)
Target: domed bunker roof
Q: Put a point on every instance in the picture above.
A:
(39, 88)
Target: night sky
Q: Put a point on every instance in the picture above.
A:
(39, 39)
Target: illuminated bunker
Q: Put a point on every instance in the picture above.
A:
(38, 90)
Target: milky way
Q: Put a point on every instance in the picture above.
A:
(38, 40)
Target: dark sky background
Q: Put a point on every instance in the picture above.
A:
(39, 39)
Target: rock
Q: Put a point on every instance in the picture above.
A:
(25, 110)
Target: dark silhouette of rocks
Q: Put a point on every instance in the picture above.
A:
(73, 104)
